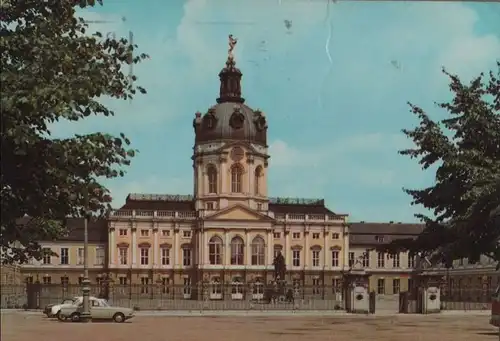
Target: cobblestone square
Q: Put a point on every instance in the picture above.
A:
(24, 327)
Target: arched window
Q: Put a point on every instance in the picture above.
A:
(237, 251)
(258, 174)
(258, 251)
(236, 178)
(215, 250)
(212, 179)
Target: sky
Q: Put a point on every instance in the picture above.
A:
(334, 86)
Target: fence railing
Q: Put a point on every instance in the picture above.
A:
(193, 297)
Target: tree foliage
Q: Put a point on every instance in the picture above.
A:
(52, 69)
(465, 199)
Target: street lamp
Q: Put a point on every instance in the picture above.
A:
(85, 316)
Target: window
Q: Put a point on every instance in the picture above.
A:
(123, 255)
(64, 256)
(315, 258)
(335, 258)
(47, 280)
(165, 285)
(381, 260)
(187, 285)
(411, 261)
(336, 286)
(395, 261)
(316, 286)
(215, 250)
(379, 239)
(351, 259)
(80, 280)
(259, 207)
(296, 257)
(396, 285)
(80, 256)
(144, 233)
(237, 287)
(236, 178)
(315, 235)
(186, 234)
(165, 256)
(335, 236)
(212, 179)
(29, 279)
(296, 235)
(64, 281)
(99, 256)
(144, 255)
(381, 286)
(276, 235)
(123, 232)
(144, 285)
(258, 251)
(186, 257)
(237, 251)
(210, 206)
(165, 233)
(123, 280)
(366, 259)
(46, 255)
(258, 174)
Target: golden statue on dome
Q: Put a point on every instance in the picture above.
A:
(232, 43)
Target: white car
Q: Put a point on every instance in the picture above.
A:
(54, 311)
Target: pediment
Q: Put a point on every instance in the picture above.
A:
(239, 212)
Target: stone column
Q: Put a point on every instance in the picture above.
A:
(175, 247)
(134, 244)
(248, 249)
(270, 248)
(155, 246)
(307, 251)
(222, 178)
(226, 249)
(205, 248)
(111, 246)
(286, 251)
(326, 239)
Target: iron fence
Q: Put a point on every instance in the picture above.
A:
(195, 297)
(467, 299)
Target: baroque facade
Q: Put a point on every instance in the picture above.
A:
(229, 231)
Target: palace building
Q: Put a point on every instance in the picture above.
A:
(229, 230)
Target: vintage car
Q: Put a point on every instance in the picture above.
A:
(99, 310)
(495, 308)
(54, 310)
(48, 308)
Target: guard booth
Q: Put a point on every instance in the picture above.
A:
(429, 293)
(356, 295)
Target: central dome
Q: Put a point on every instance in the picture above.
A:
(230, 119)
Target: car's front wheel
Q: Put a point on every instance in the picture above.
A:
(118, 317)
(75, 317)
(61, 317)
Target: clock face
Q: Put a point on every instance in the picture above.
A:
(237, 153)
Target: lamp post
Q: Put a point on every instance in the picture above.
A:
(85, 316)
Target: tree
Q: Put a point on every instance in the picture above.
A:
(465, 199)
(53, 70)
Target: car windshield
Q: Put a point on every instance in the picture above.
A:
(104, 303)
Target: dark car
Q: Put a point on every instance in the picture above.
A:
(48, 308)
